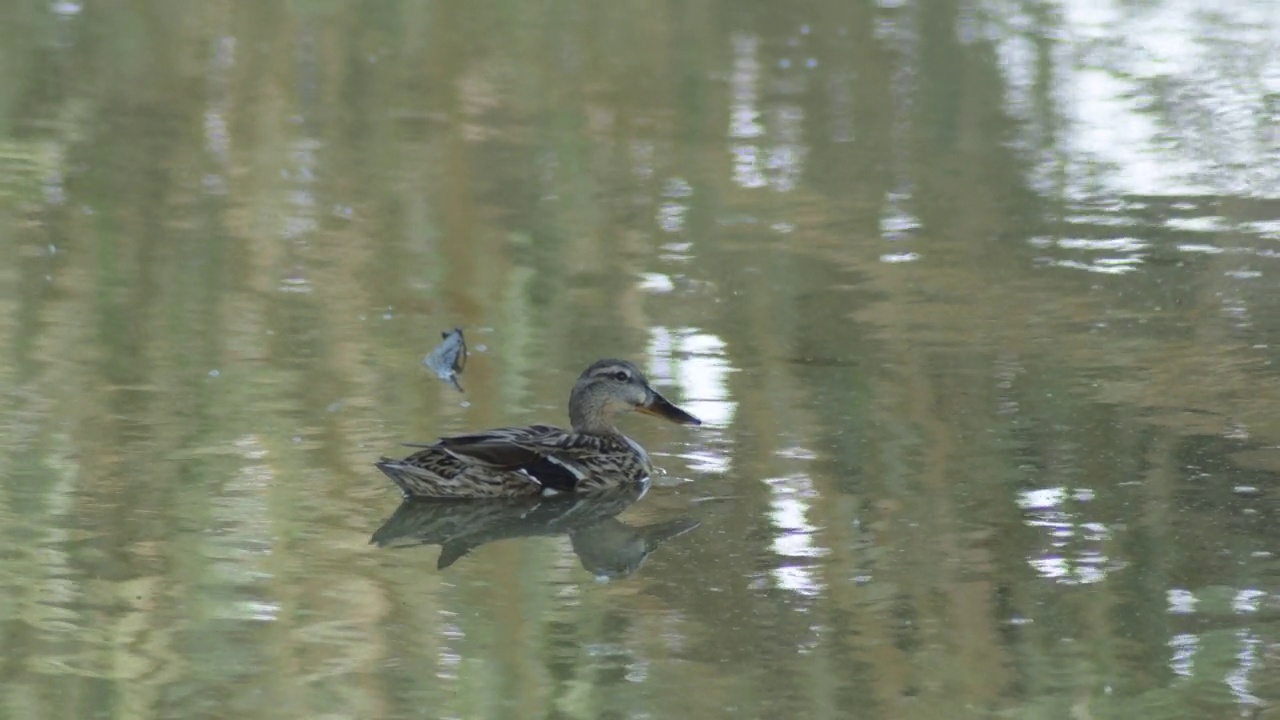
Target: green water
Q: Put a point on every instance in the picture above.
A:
(977, 300)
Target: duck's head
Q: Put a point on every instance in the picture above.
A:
(610, 387)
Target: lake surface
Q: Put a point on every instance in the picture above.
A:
(978, 302)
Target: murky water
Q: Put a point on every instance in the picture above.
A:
(977, 300)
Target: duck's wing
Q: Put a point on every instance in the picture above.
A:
(554, 458)
(504, 448)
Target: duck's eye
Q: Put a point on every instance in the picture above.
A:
(621, 376)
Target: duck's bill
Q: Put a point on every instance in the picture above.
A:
(661, 407)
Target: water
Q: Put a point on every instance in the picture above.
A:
(975, 298)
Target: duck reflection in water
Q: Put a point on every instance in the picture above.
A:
(607, 547)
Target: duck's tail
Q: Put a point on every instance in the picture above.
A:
(410, 483)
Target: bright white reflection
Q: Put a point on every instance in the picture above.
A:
(676, 251)
(801, 580)
(656, 282)
(671, 216)
(1169, 55)
(1206, 224)
(259, 611)
(1247, 601)
(693, 361)
(1184, 654)
(1114, 265)
(794, 539)
(1109, 126)
(896, 221)
(1104, 219)
(1200, 248)
(1072, 553)
(794, 534)
(1113, 244)
(1269, 229)
(1106, 266)
(1042, 498)
(1238, 679)
(905, 257)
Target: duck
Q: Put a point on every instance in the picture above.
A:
(543, 460)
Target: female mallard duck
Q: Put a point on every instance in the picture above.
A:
(540, 459)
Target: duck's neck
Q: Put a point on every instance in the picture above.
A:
(591, 424)
(587, 415)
